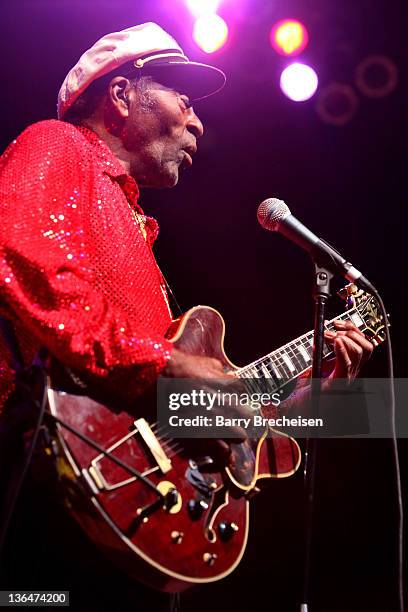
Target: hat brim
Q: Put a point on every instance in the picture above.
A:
(196, 80)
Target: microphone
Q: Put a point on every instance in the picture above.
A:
(275, 216)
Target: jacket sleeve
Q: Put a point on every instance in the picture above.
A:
(47, 281)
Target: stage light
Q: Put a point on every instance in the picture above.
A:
(210, 33)
(299, 82)
(202, 7)
(289, 37)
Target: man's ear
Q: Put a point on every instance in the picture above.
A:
(118, 90)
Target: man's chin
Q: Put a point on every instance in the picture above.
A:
(172, 182)
(162, 181)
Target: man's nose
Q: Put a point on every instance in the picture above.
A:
(194, 124)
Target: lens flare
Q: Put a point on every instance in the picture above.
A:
(210, 33)
(289, 37)
(376, 76)
(299, 82)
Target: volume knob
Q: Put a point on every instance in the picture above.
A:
(196, 508)
(227, 530)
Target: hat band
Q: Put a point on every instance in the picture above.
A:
(139, 63)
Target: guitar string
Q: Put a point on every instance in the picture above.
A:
(161, 438)
(277, 361)
(343, 316)
(161, 429)
(275, 358)
(281, 363)
(257, 367)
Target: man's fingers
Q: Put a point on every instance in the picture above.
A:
(360, 342)
(349, 356)
(346, 325)
(351, 329)
(353, 349)
(342, 355)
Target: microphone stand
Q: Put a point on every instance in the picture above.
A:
(321, 293)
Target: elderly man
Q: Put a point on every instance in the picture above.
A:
(78, 275)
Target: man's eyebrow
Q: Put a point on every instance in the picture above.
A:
(186, 100)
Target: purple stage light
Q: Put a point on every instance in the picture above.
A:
(202, 7)
(210, 33)
(299, 82)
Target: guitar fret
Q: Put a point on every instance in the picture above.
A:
(284, 367)
(295, 358)
(304, 353)
(326, 349)
(288, 362)
(258, 379)
(253, 377)
(308, 343)
(266, 382)
(356, 319)
(275, 370)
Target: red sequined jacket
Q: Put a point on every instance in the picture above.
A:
(77, 273)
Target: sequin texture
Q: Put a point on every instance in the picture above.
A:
(77, 272)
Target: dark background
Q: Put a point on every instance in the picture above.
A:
(346, 183)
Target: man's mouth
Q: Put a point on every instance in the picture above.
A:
(187, 158)
(188, 151)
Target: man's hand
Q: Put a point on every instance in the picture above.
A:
(351, 347)
(182, 365)
(202, 370)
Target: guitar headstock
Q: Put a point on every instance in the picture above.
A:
(368, 309)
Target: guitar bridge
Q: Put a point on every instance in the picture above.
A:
(143, 429)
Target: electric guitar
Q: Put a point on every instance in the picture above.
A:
(168, 518)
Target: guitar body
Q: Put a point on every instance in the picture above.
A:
(201, 536)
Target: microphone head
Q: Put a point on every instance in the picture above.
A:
(271, 212)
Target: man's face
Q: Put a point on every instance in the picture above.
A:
(160, 134)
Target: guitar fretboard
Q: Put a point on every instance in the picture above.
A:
(273, 371)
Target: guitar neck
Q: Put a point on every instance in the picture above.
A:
(290, 361)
